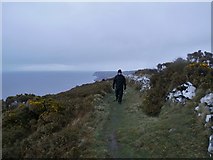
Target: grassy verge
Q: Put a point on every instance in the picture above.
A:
(175, 133)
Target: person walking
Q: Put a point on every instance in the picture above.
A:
(119, 84)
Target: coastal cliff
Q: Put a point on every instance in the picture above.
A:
(166, 113)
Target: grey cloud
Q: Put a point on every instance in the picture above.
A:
(102, 35)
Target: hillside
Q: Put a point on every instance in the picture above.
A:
(129, 133)
(102, 75)
(161, 116)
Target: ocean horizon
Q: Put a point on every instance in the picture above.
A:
(43, 82)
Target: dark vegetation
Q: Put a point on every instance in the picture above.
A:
(142, 72)
(197, 68)
(13, 101)
(62, 125)
(50, 126)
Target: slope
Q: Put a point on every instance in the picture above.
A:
(87, 122)
(129, 133)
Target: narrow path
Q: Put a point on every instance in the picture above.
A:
(118, 131)
(126, 132)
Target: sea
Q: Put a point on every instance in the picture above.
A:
(42, 83)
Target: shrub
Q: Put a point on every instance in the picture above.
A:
(175, 74)
(162, 83)
(20, 98)
(52, 125)
(199, 74)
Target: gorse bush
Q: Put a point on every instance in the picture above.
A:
(51, 126)
(146, 71)
(20, 98)
(200, 74)
(16, 122)
(172, 74)
(41, 105)
(161, 83)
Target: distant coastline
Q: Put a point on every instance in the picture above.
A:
(42, 83)
(103, 75)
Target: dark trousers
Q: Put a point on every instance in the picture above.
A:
(119, 94)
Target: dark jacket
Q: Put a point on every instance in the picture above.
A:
(119, 82)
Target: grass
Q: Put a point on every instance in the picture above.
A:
(175, 133)
(90, 124)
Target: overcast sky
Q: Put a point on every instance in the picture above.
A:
(101, 36)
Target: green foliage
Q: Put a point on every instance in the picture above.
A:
(20, 98)
(20, 122)
(175, 74)
(152, 102)
(200, 57)
(52, 125)
(161, 83)
(18, 116)
(142, 72)
(38, 106)
(200, 74)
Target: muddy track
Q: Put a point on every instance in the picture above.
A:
(113, 144)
